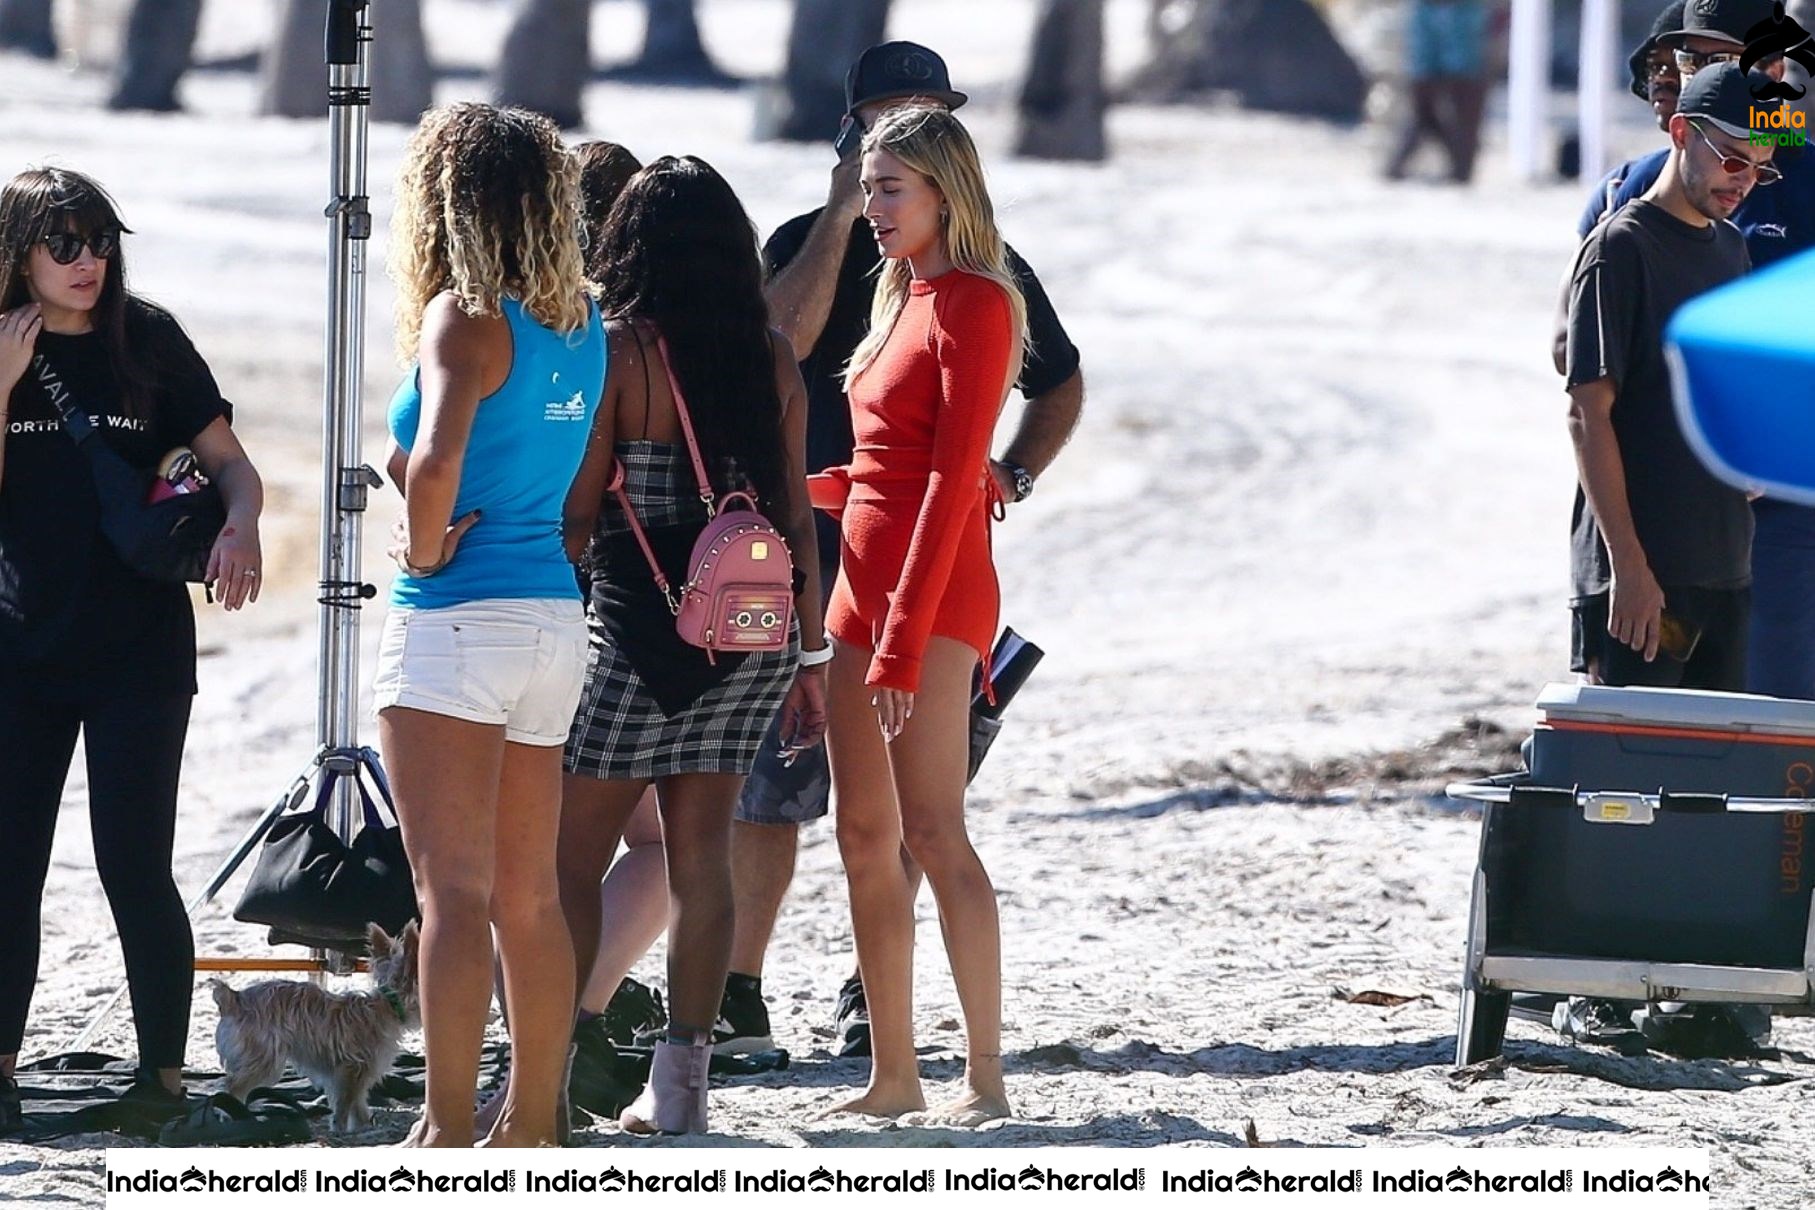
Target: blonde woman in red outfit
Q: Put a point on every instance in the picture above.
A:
(914, 608)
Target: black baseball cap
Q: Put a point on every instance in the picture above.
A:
(1668, 22)
(898, 69)
(1722, 95)
(1728, 20)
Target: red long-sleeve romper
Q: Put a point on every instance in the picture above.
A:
(916, 554)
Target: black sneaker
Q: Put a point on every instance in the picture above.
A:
(852, 1021)
(635, 1011)
(743, 1019)
(596, 1081)
(1706, 1031)
(12, 1109)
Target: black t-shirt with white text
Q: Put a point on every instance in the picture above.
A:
(1631, 275)
(69, 609)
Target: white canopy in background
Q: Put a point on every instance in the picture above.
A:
(1528, 85)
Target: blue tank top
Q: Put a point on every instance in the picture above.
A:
(527, 442)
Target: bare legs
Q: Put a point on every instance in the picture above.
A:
(533, 947)
(633, 903)
(911, 793)
(479, 821)
(594, 815)
(762, 866)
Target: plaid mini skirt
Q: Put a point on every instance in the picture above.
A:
(620, 732)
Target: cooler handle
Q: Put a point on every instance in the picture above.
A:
(1700, 803)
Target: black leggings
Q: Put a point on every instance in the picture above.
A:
(135, 749)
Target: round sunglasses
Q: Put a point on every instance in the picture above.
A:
(66, 246)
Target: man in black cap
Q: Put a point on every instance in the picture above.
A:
(1660, 549)
(1777, 222)
(1656, 537)
(822, 268)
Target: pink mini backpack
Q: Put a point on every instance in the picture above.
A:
(739, 594)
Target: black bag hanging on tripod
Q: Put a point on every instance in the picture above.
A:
(167, 540)
(313, 888)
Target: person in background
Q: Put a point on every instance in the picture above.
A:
(1446, 48)
(483, 651)
(87, 646)
(823, 268)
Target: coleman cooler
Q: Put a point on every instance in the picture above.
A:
(1654, 851)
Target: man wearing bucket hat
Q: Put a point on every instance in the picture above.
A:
(822, 269)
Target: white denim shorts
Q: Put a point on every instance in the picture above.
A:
(518, 664)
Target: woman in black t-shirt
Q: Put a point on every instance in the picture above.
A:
(87, 645)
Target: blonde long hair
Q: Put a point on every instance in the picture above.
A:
(930, 141)
(488, 205)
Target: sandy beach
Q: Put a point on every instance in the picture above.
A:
(1305, 559)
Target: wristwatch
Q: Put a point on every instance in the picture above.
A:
(1022, 477)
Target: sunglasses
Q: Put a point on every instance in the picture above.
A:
(66, 246)
(1694, 61)
(1662, 69)
(1736, 165)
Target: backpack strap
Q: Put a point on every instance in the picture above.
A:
(616, 488)
(693, 445)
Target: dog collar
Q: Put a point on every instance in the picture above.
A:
(395, 1001)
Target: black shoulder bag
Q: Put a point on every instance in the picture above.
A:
(314, 888)
(167, 540)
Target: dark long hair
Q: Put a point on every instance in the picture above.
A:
(678, 250)
(44, 201)
(605, 168)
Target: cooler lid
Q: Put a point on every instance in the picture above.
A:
(1691, 709)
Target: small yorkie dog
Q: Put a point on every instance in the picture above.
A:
(344, 1042)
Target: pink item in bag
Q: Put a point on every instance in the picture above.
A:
(739, 594)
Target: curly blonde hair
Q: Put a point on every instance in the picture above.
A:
(488, 205)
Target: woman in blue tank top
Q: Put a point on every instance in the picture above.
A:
(483, 652)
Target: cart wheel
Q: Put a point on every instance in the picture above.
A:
(1480, 1025)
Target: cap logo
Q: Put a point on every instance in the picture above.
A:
(911, 65)
(1779, 34)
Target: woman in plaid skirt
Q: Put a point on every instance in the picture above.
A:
(681, 283)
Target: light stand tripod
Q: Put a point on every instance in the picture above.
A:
(339, 763)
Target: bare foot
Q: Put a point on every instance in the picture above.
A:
(970, 1110)
(424, 1135)
(881, 1102)
(501, 1137)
